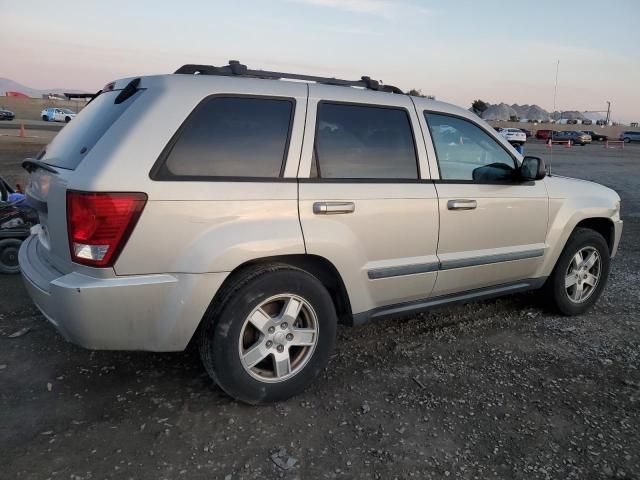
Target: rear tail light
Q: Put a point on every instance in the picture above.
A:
(99, 224)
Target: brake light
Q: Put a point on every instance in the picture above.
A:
(99, 224)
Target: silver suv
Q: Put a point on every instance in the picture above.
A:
(263, 212)
(630, 136)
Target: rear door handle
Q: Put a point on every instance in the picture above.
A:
(462, 204)
(333, 208)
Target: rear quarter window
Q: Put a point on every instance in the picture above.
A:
(80, 135)
(229, 137)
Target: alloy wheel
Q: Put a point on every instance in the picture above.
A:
(278, 338)
(583, 274)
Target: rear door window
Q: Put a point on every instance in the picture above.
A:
(77, 138)
(363, 142)
(230, 137)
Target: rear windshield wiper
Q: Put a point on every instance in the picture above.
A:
(31, 165)
(93, 97)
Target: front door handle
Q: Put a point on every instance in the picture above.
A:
(462, 204)
(333, 208)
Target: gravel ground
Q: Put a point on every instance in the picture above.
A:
(497, 389)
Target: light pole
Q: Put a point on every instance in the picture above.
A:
(555, 92)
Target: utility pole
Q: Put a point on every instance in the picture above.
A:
(608, 112)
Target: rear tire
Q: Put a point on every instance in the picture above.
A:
(626, 140)
(573, 288)
(67, 119)
(9, 248)
(252, 315)
(45, 118)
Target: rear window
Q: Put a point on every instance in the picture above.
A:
(230, 137)
(81, 134)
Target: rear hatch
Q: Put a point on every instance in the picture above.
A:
(53, 169)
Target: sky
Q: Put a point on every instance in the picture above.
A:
(457, 50)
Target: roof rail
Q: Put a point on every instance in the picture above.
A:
(235, 68)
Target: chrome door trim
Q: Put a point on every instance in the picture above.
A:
(488, 259)
(401, 270)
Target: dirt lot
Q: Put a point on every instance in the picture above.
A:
(31, 108)
(498, 389)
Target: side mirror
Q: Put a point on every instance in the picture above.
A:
(532, 168)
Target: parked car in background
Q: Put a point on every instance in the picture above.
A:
(57, 115)
(514, 136)
(528, 133)
(16, 220)
(596, 137)
(630, 136)
(6, 114)
(240, 228)
(543, 134)
(573, 137)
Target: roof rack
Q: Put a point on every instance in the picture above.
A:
(235, 68)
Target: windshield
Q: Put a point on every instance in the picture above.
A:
(66, 110)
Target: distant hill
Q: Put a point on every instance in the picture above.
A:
(504, 112)
(500, 111)
(8, 85)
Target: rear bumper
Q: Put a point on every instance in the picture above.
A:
(157, 312)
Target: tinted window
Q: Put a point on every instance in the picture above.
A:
(364, 142)
(466, 152)
(232, 137)
(77, 138)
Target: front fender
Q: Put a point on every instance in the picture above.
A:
(570, 202)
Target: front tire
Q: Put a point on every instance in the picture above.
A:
(581, 273)
(67, 119)
(45, 118)
(626, 140)
(268, 333)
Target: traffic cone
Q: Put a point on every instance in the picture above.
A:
(22, 132)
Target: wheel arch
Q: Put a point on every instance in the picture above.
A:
(318, 266)
(323, 270)
(604, 226)
(559, 236)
